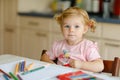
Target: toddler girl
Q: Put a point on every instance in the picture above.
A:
(75, 51)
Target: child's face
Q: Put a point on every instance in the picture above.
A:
(73, 29)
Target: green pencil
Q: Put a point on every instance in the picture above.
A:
(24, 73)
(13, 76)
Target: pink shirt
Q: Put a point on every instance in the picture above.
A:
(84, 51)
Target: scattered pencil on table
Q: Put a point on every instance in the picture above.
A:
(19, 77)
(16, 69)
(33, 70)
(19, 68)
(29, 66)
(22, 65)
(6, 77)
(13, 76)
(5, 73)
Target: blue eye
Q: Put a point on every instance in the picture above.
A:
(67, 26)
(77, 26)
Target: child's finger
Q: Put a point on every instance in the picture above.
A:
(72, 63)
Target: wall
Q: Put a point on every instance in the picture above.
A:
(33, 5)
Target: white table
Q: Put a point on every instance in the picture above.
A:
(7, 58)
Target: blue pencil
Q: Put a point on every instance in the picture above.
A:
(22, 66)
(6, 78)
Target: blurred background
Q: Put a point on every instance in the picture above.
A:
(27, 26)
(105, 8)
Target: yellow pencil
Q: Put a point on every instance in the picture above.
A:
(29, 66)
(16, 69)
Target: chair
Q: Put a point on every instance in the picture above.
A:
(44, 51)
(112, 66)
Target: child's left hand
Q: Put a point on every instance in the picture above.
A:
(72, 63)
(75, 63)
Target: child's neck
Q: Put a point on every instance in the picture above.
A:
(74, 42)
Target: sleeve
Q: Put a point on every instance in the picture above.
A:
(53, 51)
(92, 52)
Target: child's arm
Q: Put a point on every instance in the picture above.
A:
(45, 57)
(94, 66)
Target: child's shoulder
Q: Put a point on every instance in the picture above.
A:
(89, 42)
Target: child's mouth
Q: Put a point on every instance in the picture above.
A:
(71, 35)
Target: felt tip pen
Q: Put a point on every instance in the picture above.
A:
(5, 73)
(32, 70)
(13, 76)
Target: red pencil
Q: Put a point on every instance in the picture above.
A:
(5, 73)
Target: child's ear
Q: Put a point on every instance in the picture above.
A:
(85, 29)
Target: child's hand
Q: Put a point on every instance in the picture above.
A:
(72, 63)
(75, 64)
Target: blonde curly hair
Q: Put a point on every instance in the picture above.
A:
(76, 11)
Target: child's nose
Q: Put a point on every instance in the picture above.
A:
(71, 29)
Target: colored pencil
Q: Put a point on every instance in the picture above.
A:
(30, 67)
(22, 66)
(19, 77)
(6, 77)
(13, 76)
(33, 70)
(19, 66)
(5, 73)
(16, 69)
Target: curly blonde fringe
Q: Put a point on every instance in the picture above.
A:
(76, 11)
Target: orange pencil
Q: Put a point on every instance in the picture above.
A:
(29, 66)
(16, 69)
